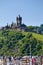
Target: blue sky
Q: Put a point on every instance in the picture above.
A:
(30, 10)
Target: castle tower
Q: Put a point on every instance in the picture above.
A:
(19, 20)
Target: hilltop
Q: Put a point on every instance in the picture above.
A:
(15, 39)
(22, 27)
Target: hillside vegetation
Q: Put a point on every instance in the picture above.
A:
(38, 36)
(17, 43)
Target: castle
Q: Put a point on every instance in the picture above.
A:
(22, 27)
(18, 25)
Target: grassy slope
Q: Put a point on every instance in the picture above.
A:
(35, 35)
(38, 36)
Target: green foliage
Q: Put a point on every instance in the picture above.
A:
(17, 43)
(30, 28)
(29, 35)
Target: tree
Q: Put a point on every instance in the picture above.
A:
(31, 28)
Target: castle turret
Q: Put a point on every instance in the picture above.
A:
(19, 20)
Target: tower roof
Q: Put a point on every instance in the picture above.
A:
(19, 17)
